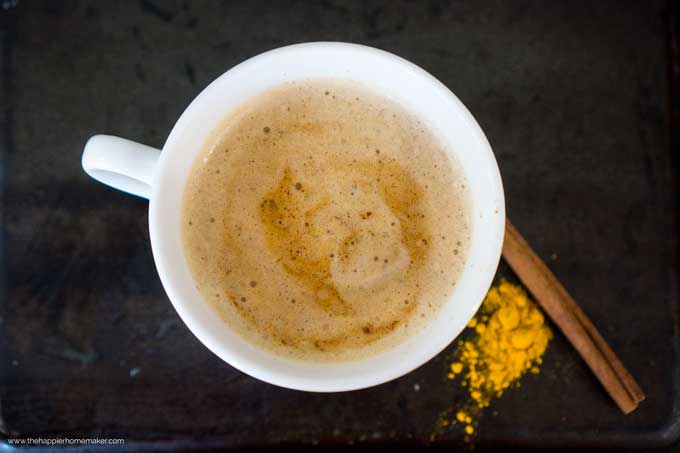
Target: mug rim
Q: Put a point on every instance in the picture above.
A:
(184, 307)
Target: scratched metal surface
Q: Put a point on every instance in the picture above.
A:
(573, 98)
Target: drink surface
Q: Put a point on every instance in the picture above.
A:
(324, 222)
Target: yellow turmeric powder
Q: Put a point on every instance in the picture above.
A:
(510, 339)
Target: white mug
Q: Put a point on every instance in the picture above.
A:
(161, 177)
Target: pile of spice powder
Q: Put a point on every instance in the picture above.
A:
(510, 337)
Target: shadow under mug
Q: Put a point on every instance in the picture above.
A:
(161, 177)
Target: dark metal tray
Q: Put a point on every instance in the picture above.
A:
(573, 97)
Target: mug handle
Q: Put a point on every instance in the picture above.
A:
(122, 164)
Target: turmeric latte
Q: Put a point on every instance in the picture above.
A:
(325, 223)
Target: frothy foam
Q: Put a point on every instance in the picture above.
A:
(324, 222)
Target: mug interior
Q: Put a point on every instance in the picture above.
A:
(393, 78)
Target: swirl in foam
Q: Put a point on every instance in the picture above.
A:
(324, 222)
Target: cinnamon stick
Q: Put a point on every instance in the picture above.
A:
(568, 316)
